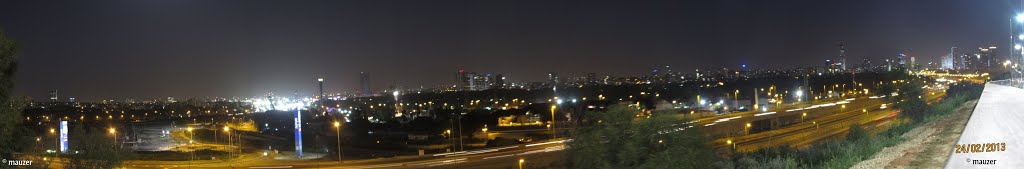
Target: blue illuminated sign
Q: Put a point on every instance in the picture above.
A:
(298, 133)
(63, 136)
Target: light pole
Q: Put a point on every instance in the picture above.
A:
(521, 161)
(113, 133)
(736, 99)
(554, 129)
(747, 129)
(192, 154)
(56, 144)
(228, 147)
(337, 125)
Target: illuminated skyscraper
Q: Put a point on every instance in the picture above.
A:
(553, 79)
(364, 84)
(947, 61)
(841, 61)
(54, 97)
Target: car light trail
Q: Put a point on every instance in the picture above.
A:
(764, 114)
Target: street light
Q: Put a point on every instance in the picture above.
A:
(554, 129)
(337, 125)
(192, 154)
(1019, 18)
(736, 98)
(228, 147)
(113, 133)
(748, 129)
(521, 161)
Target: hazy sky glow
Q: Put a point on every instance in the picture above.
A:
(144, 49)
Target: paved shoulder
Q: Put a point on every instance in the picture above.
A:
(994, 136)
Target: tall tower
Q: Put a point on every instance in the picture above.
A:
(842, 55)
(947, 61)
(54, 97)
(320, 81)
(364, 84)
(499, 82)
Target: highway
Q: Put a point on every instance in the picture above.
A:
(509, 153)
(825, 119)
(820, 123)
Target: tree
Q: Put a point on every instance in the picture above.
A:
(909, 98)
(619, 140)
(10, 107)
(93, 149)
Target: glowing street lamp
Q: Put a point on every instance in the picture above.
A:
(337, 125)
(1019, 18)
(228, 131)
(113, 133)
(748, 129)
(553, 127)
(521, 161)
(192, 154)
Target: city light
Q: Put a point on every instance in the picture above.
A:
(505, 84)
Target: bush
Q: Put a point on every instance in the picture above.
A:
(620, 140)
(856, 133)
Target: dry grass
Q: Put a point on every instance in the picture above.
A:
(926, 146)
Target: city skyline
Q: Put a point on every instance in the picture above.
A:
(124, 49)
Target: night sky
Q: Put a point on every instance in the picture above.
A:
(146, 49)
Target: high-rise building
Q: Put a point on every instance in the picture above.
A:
(364, 84)
(553, 79)
(900, 60)
(591, 78)
(471, 81)
(948, 60)
(984, 57)
(866, 63)
(54, 96)
(460, 79)
(499, 82)
(913, 63)
(841, 61)
(320, 83)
